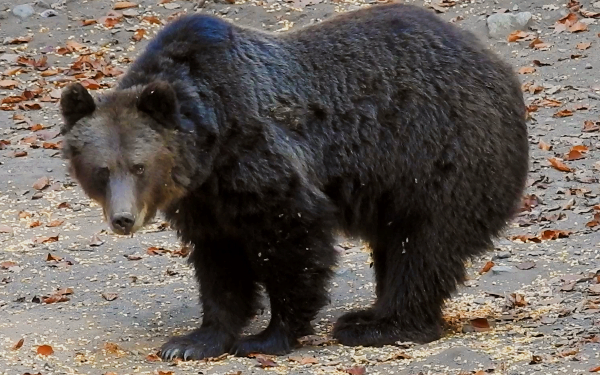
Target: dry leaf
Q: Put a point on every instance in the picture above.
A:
(558, 164)
(152, 20)
(153, 358)
(46, 239)
(18, 345)
(544, 146)
(595, 369)
(45, 350)
(356, 370)
(138, 35)
(563, 113)
(551, 234)
(574, 155)
(265, 361)
(124, 5)
(480, 324)
(110, 296)
(526, 70)
(55, 223)
(517, 35)
(42, 183)
(583, 46)
(590, 126)
(488, 266)
(88, 22)
(8, 83)
(6, 265)
(53, 258)
(578, 27)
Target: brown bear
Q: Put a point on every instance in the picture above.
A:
(387, 123)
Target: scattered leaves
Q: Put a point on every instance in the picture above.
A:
(19, 344)
(559, 165)
(480, 324)
(45, 350)
(488, 266)
(526, 70)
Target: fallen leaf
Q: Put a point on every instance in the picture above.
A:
(558, 164)
(20, 154)
(356, 370)
(574, 155)
(41, 183)
(518, 300)
(19, 40)
(124, 5)
(552, 234)
(544, 146)
(18, 345)
(45, 350)
(160, 372)
(153, 358)
(110, 296)
(563, 113)
(8, 83)
(46, 239)
(6, 265)
(96, 241)
(594, 288)
(133, 257)
(583, 45)
(526, 70)
(480, 324)
(535, 359)
(152, 20)
(157, 250)
(265, 361)
(488, 266)
(595, 369)
(138, 35)
(88, 22)
(55, 223)
(55, 298)
(590, 126)
(53, 258)
(517, 35)
(578, 27)
(35, 224)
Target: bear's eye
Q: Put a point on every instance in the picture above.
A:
(138, 169)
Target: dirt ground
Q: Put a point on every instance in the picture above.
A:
(104, 304)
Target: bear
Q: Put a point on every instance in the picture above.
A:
(386, 123)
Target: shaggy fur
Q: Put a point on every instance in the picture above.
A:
(386, 123)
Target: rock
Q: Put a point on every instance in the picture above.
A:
(498, 270)
(49, 13)
(500, 25)
(588, 66)
(502, 255)
(597, 4)
(23, 11)
(42, 4)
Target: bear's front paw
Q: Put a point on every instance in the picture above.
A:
(201, 343)
(272, 342)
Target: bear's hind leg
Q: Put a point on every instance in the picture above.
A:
(419, 265)
(229, 297)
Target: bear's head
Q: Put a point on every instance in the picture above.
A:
(129, 150)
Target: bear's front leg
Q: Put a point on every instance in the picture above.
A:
(229, 296)
(295, 266)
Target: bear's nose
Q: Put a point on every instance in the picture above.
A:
(123, 222)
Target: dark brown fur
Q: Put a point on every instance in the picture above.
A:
(386, 122)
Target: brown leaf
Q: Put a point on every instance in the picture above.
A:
(65, 291)
(124, 5)
(18, 345)
(550, 103)
(45, 350)
(20, 154)
(42, 183)
(96, 241)
(594, 288)
(356, 370)
(488, 266)
(55, 223)
(583, 45)
(74, 46)
(553, 234)
(160, 372)
(20, 40)
(12, 71)
(518, 300)
(152, 20)
(35, 224)
(480, 324)
(574, 155)
(558, 164)
(590, 126)
(265, 361)
(53, 258)
(55, 298)
(526, 265)
(526, 70)
(49, 239)
(517, 35)
(544, 146)
(157, 250)
(110, 296)
(6, 229)
(580, 148)
(539, 44)
(153, 358)
(90, 84)
(183, 252)
(8, 83)
(6, 265)
(595, 369)
(88, 22)
(138, 35)
(578, 27)
(563, 113)
(133, 257)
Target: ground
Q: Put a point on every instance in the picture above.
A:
(105, 303)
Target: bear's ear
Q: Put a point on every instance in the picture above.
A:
(75, 103)
(159, 101)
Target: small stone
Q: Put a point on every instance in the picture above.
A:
(49, 13)
(42, 4)
(500, 25)
(131, 13)
(498, 270)
(502, 255)
(515, 8)
(588, 66)
(23, 11)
